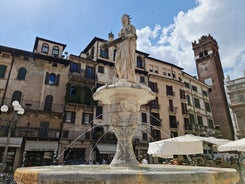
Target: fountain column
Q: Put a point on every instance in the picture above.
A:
(124, 99)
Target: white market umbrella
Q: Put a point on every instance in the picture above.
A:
(183, 145)
(237, 145)
(216, 141)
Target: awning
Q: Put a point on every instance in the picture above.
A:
(13, 141)
(41, 146)
(107, 148)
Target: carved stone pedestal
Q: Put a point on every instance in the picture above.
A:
(124, 100)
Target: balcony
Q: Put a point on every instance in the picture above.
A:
(236, 102)
(170, 93)
(172, 110)
(240, 134)
(107, 138)
(83, 77)
(35, 133)
(30, 105)
(236, 82)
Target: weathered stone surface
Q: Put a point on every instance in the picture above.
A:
(144, 174)
(124, 99)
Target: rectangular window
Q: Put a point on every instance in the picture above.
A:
(169, 90)
(153, 86)
(142, 79)
(104, 53)
(154, 103)
(171, 106)
(241, 98)
(70, 117)
(155, 119)
(197, 102)
(143, 117)
(194, 88)
(188, 125)
(65, 134)
(156, 69)
(207, 107)
(172, 122)
(199, 120)
(87, 118)
(75, 67)
(182, 94)
(43, 131)
(192, 119)
(2, 71)
(90, 72)
(174, 75)
(139, 62)
(100, 69)
(205, 93)
(99, 112)
(151, 68)
(210, 123)
(184, 108)
(187, 85)
(164, 71)
(188, 99)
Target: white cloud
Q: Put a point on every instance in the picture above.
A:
(222, 19)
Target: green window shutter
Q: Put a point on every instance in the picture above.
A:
(2, 71)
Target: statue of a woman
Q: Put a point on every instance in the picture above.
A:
(125, 56)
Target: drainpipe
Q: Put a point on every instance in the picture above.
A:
(9, 74)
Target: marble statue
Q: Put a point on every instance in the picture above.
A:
(126, 46)
(125, 57)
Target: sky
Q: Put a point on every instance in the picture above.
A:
(165, 28)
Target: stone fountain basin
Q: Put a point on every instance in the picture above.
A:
(144, 174)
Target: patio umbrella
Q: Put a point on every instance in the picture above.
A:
(183, 145)
(216, 141)
(237, 145)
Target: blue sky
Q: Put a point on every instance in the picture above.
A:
(165, 28)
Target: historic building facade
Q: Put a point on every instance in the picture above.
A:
(210, 72)
(36, 79)
(236, 92)
(62, 120)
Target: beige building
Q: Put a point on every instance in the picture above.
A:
(36, 79)
(236, 92)
(61, 118)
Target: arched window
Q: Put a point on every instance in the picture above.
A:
(17, 96)
(21, 74)
(48, 103)
(140, 63)
(45, 48)
(55, 51)
(52, 79)
(104, 53)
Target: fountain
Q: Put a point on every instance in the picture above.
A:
(124, 100)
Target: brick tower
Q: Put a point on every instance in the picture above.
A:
(210, 71)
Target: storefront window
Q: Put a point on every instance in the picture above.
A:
(38, 158)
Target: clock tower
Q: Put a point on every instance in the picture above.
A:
(209, 70)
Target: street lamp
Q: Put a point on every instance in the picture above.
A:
(17, 110)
